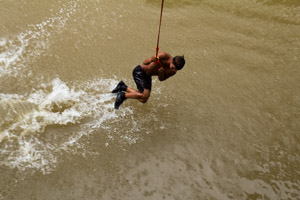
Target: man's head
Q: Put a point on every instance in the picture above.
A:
(179, 62)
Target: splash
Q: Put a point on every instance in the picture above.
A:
(15, 53)
(38, 127)
(24, 140)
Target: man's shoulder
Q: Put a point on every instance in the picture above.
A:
(165, 54)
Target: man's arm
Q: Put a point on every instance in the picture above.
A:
(149, 60)
(165, 74)
(162, 57)
(161, 74)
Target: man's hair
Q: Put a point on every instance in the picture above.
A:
(179, 62)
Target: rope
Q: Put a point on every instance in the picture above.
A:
(161, 11)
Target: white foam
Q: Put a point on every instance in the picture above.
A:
(6, 97)
(54, 103)
(11, 53)
(31, 154)
(59, 106)
(100, 108)
(30, 44)
(85, 106)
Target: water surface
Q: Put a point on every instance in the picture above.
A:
(225, 127)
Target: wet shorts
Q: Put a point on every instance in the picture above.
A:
(141, 79)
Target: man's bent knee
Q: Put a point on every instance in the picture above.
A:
(143, 100)
(145, 96)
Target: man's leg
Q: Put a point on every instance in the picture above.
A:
(134, 94)
(142, 97)
(130, 90)
(145, 97)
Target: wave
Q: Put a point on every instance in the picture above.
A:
(56, 105)
(36, 128)
(16, 52)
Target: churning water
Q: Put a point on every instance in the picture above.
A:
(224, 127)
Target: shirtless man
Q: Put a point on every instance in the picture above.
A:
(163, 66)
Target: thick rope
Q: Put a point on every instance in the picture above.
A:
(161, 11)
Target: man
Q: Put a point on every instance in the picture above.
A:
(163, 66)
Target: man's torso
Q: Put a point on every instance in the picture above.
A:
(152, 68)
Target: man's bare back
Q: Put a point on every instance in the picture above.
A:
(163, 66)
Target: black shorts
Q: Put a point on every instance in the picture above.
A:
(141, 79)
